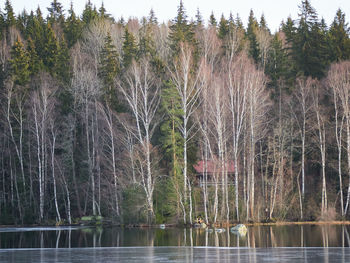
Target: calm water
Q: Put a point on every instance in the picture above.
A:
(257, 236)
(297, 243)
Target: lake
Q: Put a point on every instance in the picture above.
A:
(288, 243)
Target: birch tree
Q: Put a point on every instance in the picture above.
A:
(237, 87)
(321, 138)
(141, 91)
(339, 81)
(186, 82)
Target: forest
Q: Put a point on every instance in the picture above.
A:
(141, 122)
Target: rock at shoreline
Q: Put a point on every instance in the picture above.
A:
(239, 229)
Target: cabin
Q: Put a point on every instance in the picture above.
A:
(213, 168)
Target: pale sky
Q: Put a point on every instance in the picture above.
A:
(274, 10)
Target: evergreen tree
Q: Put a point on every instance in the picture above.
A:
(339, 38)
(199, 18)
(129, 48)
(51, 51)
(170, 139)
(62, 67)
(181, 30)
(89, 13)
(56, 13)
(152, 19)
(19, 63)
(9, 15)
(22, 22)
(263, 24)
(73, 28)
(309, 43)
(212, 20)
(277, 66)
(102, 13)
(108, 70)
(35, 63)
(223, 27)
(36, 31)
(251, 35)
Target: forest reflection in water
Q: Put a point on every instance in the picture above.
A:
(256, 237)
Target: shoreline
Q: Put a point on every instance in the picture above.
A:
(281, 223)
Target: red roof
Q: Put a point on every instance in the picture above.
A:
(213, 166)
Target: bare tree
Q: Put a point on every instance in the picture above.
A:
(237, 87)
(303, 96)
(321, 135)
(339, 81)
(42, 108)
(86, 87)
(141, 92)
(109, 118)
(186, 83)
(257, 103)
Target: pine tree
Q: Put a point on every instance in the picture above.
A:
(36, 31)
(170, 139)
(108, 71)
(19, 63)
(22, 22)
(339, 38)
(62, 67)
(9, 15)
(223, 27)
(251, 35)
(152, 19)
(89, 13)
(212, 20)
(181, 31)
(129, 48)
(309, 43)
(35, 63)
(56, 13)
(277, 66)
(199, 18)
(263, 24)
(73, 28)
(102, 13)
(51, 51)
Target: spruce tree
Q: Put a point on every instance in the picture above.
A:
(9, 15)
(309, 43)
(35, 63)
(62, 67)
(56, 13)
(339, 38)
(212, 20)
(129, 48)
(277, 67)
(181, 30)
(223, 27)
(19, 64)
(108, 71)
(89, 13)
(22, 22)
(199, 18)
(73, 28)
(251, 35)
(51, 51)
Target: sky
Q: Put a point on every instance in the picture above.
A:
(274, 10)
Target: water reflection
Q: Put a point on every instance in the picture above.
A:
(256, 237)
(176, 254)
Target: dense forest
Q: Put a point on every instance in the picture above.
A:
(145, 122)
